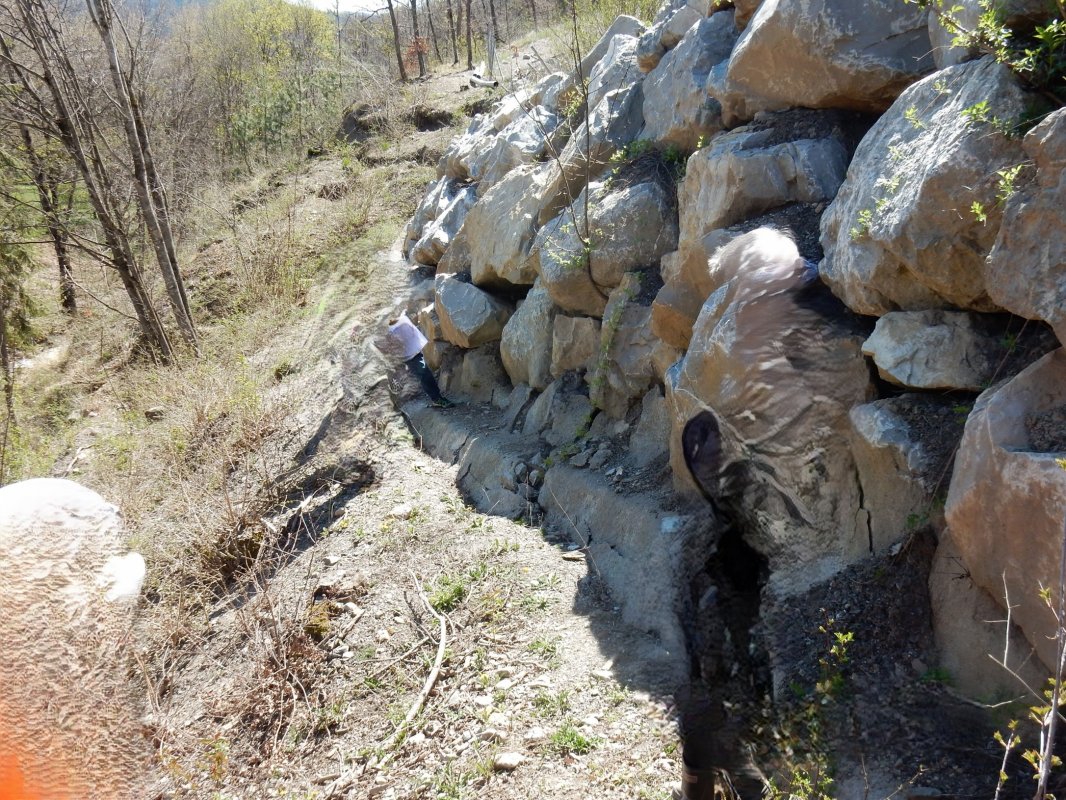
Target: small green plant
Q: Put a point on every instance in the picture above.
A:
(862, 224)
(937, 675)
(913, 116)
(547, 704)
(568, 739)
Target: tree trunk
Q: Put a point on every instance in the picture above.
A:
(452, 33)
(9, 389)
(149, 198)
(495, 24)
(433, 33)
(469, 38)
(420, 45)
(396, 42)
(533, 11)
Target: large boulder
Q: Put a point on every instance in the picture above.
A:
(901, 233)
(677, 108)
(665, 34)
(523, 141)
(499, 229)
(629, 227)
(1007, 499)
(625, 368)
(437, 235)
(438, 197)
(481, 374)
(760, 405)
(1026, 271)
(468, 316)
(616, 70)
(526, 347)
(935, 349)
(745, 10)
(623, 25)
(575, 343)
(963, 16)
(824, 54)
(903, 447)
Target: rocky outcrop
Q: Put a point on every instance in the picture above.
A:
(676, 106)
(1026, 270)
(438, 234)
(935, 350)
(824, 54)
(526, 346)
(575, 343)
(901, 233)
(616, 70)
(468, 316)
(1007, 500)
(481, 374)
(625, 368)
(774, 379)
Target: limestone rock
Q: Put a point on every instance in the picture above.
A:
(1018, 15)
(575, 343)
(499, 230)
(468, 316)
(745, 10)
(934, 350)
(631, 228)
(1026, 271)
(570, 418)
(1007, 501)
(523, 141)
(826, 54)
(616, 70)
(761, 400)
(650, 439)
(676, 106)
(623, 25)
(900, 234)
(437, 198)
(526, 346)
(903, 447)
(482, 372)
(437, 235)
(650, 48)
(970, 629)
(625, 369)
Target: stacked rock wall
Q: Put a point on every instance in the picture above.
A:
(793, 221)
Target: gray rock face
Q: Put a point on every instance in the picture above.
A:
(1026, 271)
(900, 234)
(623, 25)
(481, 374)
(616, 70)
(629, 228)
(677, 108)
(437, 235)
(468, 316)
(745, 10)
(625, 368)
(901, 464)
(650, 439)
(499, 230)
(768, 383)
(934, 350)
(1017, 15)
(523, 141)
(1007, 499)
(825, 54)
(438, 197)
(575, 343)
(526, 346)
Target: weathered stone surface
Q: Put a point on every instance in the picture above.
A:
(650, 439)
(617, 70)
(1026, 271)
(1018, 15)
(468, 316)
(745, 10)
(824, 54)
(631, 228)
(615, 122)
(499, 230)
(934, 350)
(650, 48)
(677, 108)
(558, 411)
(526, 346)
(625, 369)
(523, 141)
(438, 197)
(624, 26)
(770, 381)
(437, 235)
(571, 416)
(575, 343)
(902, 447)
(1007, 500)
(678, 25)
(482, 372)
(900, 234)
(970, 629)
(745, 172)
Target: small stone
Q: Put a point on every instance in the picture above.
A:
(591, 721)
(580, 460)
(402, 511)
(154, 413)
(382, 635)
(536, 477)
(483, 701)
(418, 739)
(351, 607)
(505, 684)
(504, 672)
(491, 735)
(602, 674)
(339, 651)
(535, 735)
(575, 555)
(521, 472)
(498, 719)
(331, 560)
(599, 458)
(507, 762)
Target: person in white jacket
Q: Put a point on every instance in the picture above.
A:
(410, 341)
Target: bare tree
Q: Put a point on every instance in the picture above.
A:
(469, 38)
(396, 41)
(452, 30)
(419, 44)
(433, 32)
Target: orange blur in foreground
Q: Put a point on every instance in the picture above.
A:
(13, 783)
